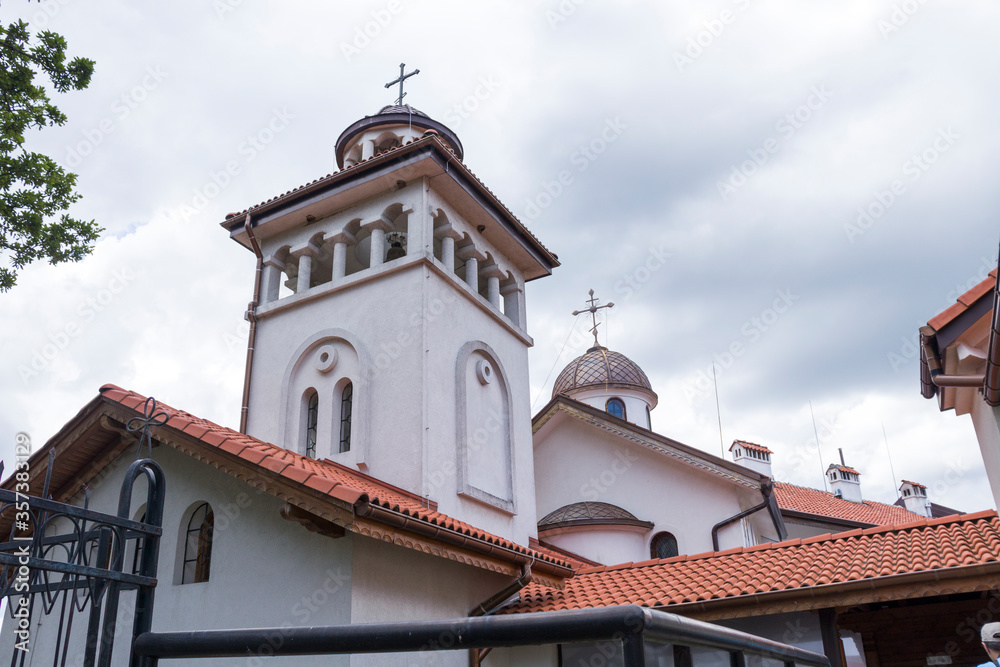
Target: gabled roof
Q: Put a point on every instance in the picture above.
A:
(825, 504)
(431, 143)
(751, 446)
(563, 404)
(964, 302)
(371, 499)
(843, 468)
(929, 549)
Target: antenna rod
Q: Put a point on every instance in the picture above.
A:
(889, 454)
(819, 452)
(715, 381)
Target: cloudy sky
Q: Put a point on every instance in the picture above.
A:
(786, 190)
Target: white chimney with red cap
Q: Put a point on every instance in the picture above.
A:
(753, 456)
(845, 481)
(915, 498)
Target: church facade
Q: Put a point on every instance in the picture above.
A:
(388, 468)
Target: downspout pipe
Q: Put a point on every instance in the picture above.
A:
(766, 487)
(936, 373)
(251, 317)
(991, 390)
(494, 602)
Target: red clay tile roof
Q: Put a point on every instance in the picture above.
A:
(426, 139)
(823, 503)
(577, 561)
(844, 469)
(964, 302)
(860, 554)
(906, 481)
(324, 476)
(750, 445)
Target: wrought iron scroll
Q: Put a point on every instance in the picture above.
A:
(60, 559)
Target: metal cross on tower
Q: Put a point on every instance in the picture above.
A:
(593, 313)
(400, 80)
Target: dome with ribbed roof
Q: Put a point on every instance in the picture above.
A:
(601, 367)
(394, 125)
(589, 513)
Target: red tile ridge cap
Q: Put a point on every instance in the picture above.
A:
(750, 445)
(906, 481)
(963, 302)
(427, 502)
(829, 537)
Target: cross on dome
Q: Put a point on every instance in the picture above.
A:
(400, 80)
(593, 301)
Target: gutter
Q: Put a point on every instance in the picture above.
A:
(496, 601)
(935, 374)
(770, 504)
(455, 538)
(991, 390)
(251, 316)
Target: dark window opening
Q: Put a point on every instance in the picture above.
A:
(616, 408)
(198, 545)
(663, 545)
(346, 407)
(312, 419)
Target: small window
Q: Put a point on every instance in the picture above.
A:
(198, 545)
(649, 419)
(616, 408)
(346, 407)
(663, 545)
(312, 419)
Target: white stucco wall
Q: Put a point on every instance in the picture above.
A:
(576, 461)
(986, 421)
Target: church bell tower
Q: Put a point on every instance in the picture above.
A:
(388, 330)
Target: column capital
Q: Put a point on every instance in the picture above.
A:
(343, 236)
(492, 271)
(275, 262)
(447, 230)
(510, 288)
(309, 249)
(470, 251)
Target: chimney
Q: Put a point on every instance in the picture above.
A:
(751, 455)
(845, 482)
(915, 498)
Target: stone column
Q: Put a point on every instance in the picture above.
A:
(472, 257)
(305, 256)
(512, 302)
(272, 280)
(378, 229)
(448, 235)
(340, 243)
(472, 273)
(493, 275)
(367, 149)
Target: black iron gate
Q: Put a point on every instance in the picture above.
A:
(65, 561)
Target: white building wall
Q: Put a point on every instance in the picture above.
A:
(265, 571)
(986, 421)
(577, 462)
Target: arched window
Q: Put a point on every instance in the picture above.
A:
(346, 404)
(312, 419)
(198, 545)
(663, 545)
(616, 407)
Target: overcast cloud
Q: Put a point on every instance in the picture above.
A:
(714, 157)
